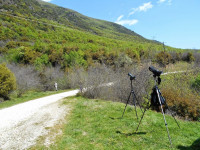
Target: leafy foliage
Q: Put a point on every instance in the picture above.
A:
(181, 98)
(185, 105)
(196, 83)
(163, 58)
(7, 81)
(189, 57)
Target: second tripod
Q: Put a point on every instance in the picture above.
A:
(133, 96)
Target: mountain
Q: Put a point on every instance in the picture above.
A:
(40, 9)
(39, 33)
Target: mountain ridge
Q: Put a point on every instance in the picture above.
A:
(41, 9)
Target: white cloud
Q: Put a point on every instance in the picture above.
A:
(161, 1)
(127, 22)
(47, 0)
(120, 17)
(143, 7)
(169, 2)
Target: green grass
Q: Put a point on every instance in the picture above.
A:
(27, 97)
(93, 124)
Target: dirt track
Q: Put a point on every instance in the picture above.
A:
(21, 125)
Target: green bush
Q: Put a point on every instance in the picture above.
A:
(196, 83)
(15, 55)
(7, 81)
(163, 58)
(186, 105)
(189, 57)
(41, 61)
(182, 100)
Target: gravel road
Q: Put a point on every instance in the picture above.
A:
(21, 125)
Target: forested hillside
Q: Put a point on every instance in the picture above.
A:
(38, 33)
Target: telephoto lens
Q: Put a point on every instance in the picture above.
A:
(131, 76)
(154, 71)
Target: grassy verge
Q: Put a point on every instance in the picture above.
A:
(93, 124)
(27, 97)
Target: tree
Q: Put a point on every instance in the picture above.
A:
(7, 81)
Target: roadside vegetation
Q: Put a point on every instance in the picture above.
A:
(95, 124)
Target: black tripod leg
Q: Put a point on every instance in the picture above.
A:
(141, 120)
(135, 106)
(137, 101)
(173, 115)
(136, 110)
(126, 104)
(163, 116)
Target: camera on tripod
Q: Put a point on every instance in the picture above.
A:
(131, 76)
(155, 72)
(157, 100)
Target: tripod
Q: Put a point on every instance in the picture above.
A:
(158, 100)
(133, 95)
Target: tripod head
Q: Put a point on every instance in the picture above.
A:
(156, 73)
(131, 76)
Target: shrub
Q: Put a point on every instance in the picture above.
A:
(175, 57)
(12, 44)
(196, 83)
(15, 55)
(27, 78)
(97, 77)
(180, 97)
(56, 57)
(163, 58)
(7, 80)
(30, 56)
(189, 57)
(185, 105)
(123, 60)
(133, 54)
(75, 59)
(41, 61)
(50, 75)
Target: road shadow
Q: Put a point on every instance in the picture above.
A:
(195, 146)
(130, 134)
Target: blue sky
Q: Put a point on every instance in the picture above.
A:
(175, 22)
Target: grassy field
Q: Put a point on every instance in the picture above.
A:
(94, 124)
(27, 97)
